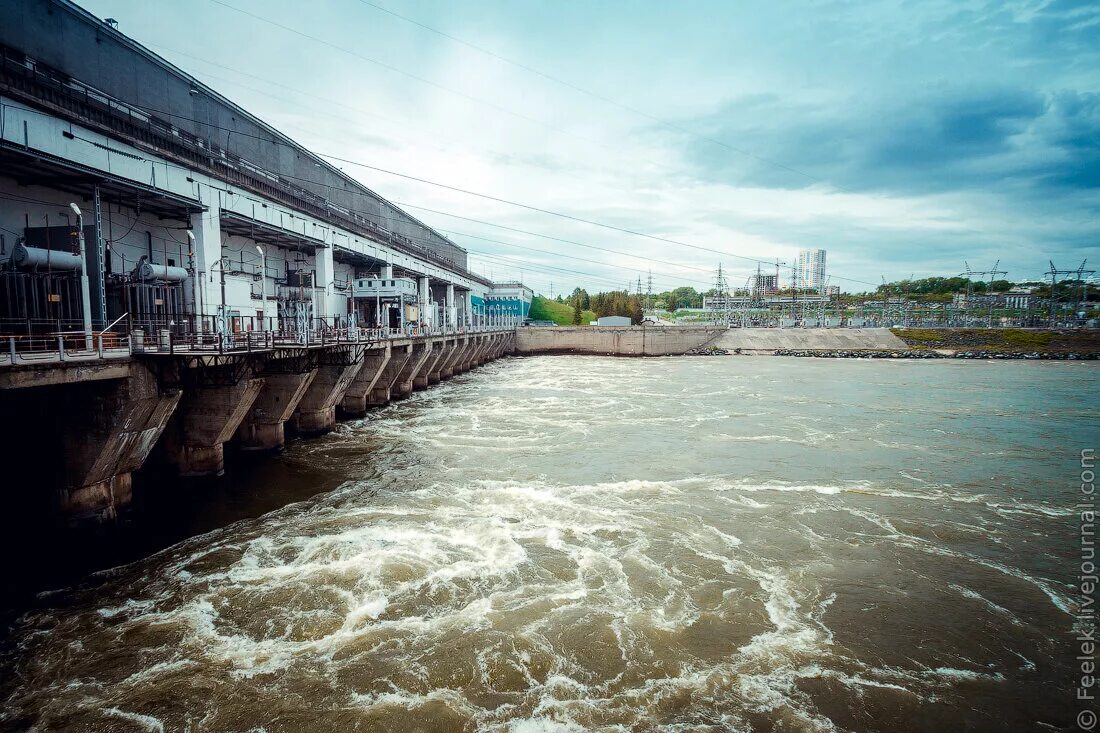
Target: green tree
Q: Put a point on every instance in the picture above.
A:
(576, 311)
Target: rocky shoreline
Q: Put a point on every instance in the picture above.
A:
(1031, 355)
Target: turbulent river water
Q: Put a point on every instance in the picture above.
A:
(588, 543)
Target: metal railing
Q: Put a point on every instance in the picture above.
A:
(63, 347)
(205, 335)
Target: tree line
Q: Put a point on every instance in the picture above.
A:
(612, 303)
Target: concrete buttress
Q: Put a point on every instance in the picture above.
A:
(206, 418)
(446, 351)
(451, 366)
(422, 351)
(263, 428)
(399, 357)
(355, 400)
(316, 411)
(108, 431)
(474, 351)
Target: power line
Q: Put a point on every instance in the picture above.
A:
(422, 80)
(570, 217)
(572, 257)
(472, 193)
(497, 199)
(607, 100)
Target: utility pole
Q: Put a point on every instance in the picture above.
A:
(970, 275)
(649, 292)
(721, 291)
(794, 293)
(85, 290)
(1054, 272)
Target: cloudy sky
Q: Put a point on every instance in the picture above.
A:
(902, 137)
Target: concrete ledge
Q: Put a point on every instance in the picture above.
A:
(19, 377)
(615, 341)
(669, 340)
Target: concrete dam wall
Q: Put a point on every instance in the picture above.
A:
(668, 340)
(615, 341)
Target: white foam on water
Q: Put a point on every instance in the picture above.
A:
(974, 595)
(575, 600)
(950, 673)
(148, 722)
(744, 501)
(543, 725)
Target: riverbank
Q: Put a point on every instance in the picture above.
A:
(932, 354)
(868, 343)
(1001, 340)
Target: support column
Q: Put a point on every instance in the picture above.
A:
(491, 347)
(316, 411)
(207, 229)
(325, 268)
(435, 375)
(107, 431)
(425, 296)
(422, 380)
(450, 367)
(400, 354)
(263, 426)
(478, 353)
(207, 417)
(355, 400)
(422, 351)
(449, 304)
(469, 361)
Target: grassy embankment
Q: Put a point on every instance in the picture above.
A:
(543, 309)
(1012, 340)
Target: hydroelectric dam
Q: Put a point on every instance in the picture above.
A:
(176, 274)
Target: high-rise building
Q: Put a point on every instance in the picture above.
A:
(811, 269)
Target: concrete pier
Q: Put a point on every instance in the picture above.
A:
(185, 406)
(400, 354)
(108, 431)
(453, 365)
(419, 363)
(206, 418)
(356, 398)
(477, 356)
(263, 428)
(446, 353)
(421, 352)
(316, 411)
(435, 353)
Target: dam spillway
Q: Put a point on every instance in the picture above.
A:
(85, 427)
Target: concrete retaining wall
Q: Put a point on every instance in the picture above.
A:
(617, 341)
(667, 340)
(768, 339)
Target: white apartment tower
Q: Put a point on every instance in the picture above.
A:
(811, 269)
